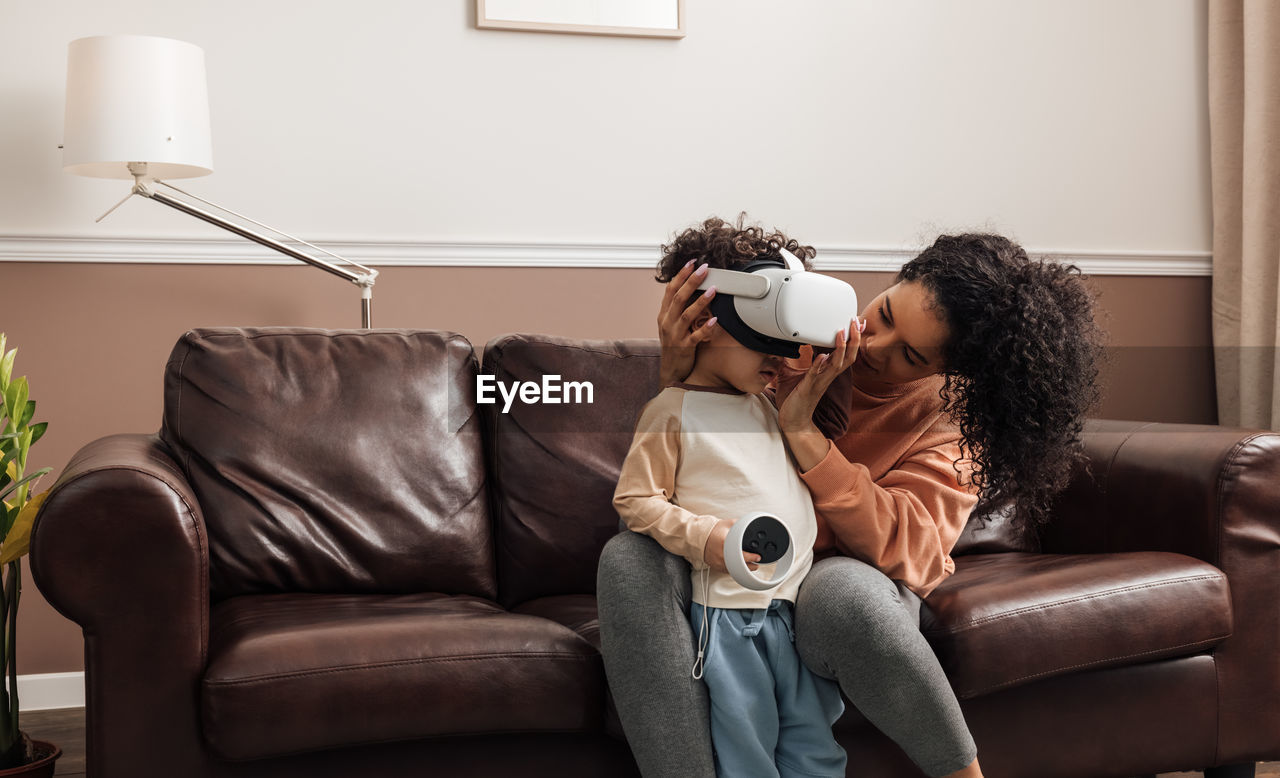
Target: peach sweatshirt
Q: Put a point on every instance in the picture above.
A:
(887, 492)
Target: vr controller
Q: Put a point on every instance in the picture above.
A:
(759, 533)
(773, 304)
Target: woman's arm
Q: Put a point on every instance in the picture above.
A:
(905, 523)
(831, 415)
(797, 407)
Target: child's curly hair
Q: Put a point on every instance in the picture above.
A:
(723, 245)
(1020, 367)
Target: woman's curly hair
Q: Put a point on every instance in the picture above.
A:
(1020, 367)
(726, 245)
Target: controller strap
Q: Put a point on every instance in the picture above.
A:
(704, 632)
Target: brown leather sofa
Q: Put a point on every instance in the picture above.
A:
(332, 561)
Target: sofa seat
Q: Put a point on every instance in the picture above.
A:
(1066, 613)
(575, 611)
(290, 673)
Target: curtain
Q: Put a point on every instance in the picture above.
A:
(1244, 140)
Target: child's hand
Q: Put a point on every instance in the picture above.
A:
(713, 552)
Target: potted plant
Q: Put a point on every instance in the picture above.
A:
(19, 755)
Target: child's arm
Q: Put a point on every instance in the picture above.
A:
(647, 484)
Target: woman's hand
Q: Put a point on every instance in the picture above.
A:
(713, 552)
(676, 333)
(795, 417)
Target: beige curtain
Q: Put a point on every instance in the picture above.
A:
(1244, 140)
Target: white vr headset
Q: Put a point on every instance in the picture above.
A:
(772, 304)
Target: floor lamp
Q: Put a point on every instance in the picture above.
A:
(138, 107)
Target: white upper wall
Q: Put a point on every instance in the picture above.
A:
(1069, 124)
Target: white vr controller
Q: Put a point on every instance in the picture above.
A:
(779, 299)
(759, 533)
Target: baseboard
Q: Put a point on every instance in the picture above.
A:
(49, 691)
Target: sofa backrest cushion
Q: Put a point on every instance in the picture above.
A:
(993, 533)
(553, 467)
(333, 460)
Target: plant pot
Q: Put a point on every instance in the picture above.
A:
(41, 767)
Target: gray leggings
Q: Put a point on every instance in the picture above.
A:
(853, 624)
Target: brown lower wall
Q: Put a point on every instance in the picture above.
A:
(93, 339)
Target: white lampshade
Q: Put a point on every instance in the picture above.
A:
(136, 98)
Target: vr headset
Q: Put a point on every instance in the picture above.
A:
(772, 304)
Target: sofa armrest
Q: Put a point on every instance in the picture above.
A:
(1208, 492)
(1192, 489)
(119, 547)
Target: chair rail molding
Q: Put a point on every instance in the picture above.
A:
(552, 254)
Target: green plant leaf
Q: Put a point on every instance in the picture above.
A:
(26, 480)
(37, 431)
(27, 413)
(10, 399)
(18, 540)
(6, 365)
(24, 446)
(18, 402)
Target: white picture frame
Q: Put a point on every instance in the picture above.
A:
(634, 18)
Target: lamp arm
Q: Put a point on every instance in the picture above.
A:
(281, 233)
(364, 278)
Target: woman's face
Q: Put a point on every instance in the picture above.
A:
(903, 340)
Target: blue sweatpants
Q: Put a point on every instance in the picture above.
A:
(770, 716)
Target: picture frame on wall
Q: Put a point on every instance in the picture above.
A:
(636, 18)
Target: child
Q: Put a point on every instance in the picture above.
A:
(707, 452)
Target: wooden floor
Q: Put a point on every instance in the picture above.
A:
(65, 728)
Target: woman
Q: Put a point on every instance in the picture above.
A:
(966, 390)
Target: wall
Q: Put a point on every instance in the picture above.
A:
(403, 133)
(1073, 124)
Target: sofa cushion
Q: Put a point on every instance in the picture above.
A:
(1003, 620)
(331, 460)
(578, 612)
(290, 673)
(554, 466)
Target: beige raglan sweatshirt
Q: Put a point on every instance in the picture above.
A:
(699, 455)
